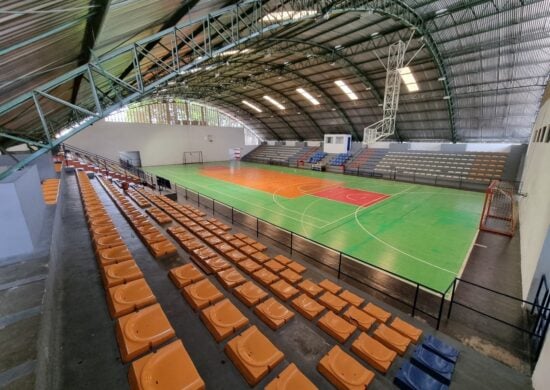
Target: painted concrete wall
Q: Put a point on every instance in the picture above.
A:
(159, 144)
(534, 213)
(43, 163)
(436, 147)
(21, 212)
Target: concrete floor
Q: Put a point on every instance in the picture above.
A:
(83, 352)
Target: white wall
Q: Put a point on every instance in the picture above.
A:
(435, 146)
(534, 217)
(159, 144)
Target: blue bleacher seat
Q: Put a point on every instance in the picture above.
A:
(433, 364)
(318, 156)
(442, 349)
(411, 377)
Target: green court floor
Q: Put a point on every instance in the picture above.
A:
(421, 232)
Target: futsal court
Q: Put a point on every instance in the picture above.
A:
(423, 233)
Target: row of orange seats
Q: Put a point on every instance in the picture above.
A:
(50, 191)
(159, 246)
(141, 324)
(283, 277)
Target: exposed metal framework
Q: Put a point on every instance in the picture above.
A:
(477, 55)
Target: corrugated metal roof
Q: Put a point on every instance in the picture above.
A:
(496, 54)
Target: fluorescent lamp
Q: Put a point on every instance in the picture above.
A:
(253, 106)
(347, 90)
(447, 97)
(306, 94)
(441, 78)
(441, 11)
(374, 34)
(274, 102)
(408, 79)
(233, 52)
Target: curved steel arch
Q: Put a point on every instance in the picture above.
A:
(249, 27)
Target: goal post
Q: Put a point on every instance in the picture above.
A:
(194, 157)
(499, 209)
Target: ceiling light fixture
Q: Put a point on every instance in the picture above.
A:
(253, 106)
(441, 11)
(408, 79)
(306, 94)
(274, 102)
(346, 89)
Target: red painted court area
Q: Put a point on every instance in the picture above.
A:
(351, 196)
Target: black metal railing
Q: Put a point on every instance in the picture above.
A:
(422, 299)
(344, 265)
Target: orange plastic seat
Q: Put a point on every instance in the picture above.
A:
(235, 256)
(114, 255)
(336, 326)
(352, 298)
(128, 297)
(213, 241)
(249, 266)
(307, 306)
(204, 234)
(223, 248)
(283, 290)
(282, 259)
(310, 288)
(120, 273)
(377, 312)
(230, 278)
(253, 355)
(291, 378)
(163, 249)
(290, 276)
(102, 231)
(392, 339)
(223, 319)
(151, 238)
(260, 257)
(185, 275)
(241, 236)
(104, 242)
(359, 318)
(237, 243)
(190, 245)
(343, 371)
(248, 250)
(406, 329)
(202, 254)
(332, 302)
(330, 286)
(259, 246)
(273, 313)
(265, 277)
(248, 240)
(196, 229)
(274, 266)
(227, 236)
(138, 332)
(201, 294)
(216, 264)
(373, 352)
(170, 367)
(250, 293)
(296, 267)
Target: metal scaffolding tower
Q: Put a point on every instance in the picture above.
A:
(386, 126)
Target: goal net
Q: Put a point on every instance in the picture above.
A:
(192, 157)
(499, 211)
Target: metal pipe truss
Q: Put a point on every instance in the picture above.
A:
(45, 110)
(386, 126)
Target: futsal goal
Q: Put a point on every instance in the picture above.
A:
(192, 157)
(499, 210)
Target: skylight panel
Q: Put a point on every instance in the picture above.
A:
(253, 106)
(281, 16)
(408, 79)
(346, 89)
(308, 96)
(274, 102)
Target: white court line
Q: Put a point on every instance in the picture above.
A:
(399, 250)
(366, 205)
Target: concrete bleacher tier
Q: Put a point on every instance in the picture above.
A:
(273, 154)
(270, 287)
(471, 166)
